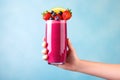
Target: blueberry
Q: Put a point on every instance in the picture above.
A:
(53, 14)
(57, 18)
(60, 12)
(51, 18)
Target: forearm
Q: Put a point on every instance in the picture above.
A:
(108, 71)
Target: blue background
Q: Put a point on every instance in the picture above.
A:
(94, 31)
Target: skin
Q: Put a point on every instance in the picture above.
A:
(73, 63)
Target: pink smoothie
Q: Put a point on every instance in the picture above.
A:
(56, 38)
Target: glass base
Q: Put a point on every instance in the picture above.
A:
(56, 63)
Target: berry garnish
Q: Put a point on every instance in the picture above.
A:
(60, 16)
(51, 18)
(57, 14)
(46, 15)
(57, 18)
(67, 14)
(60, 12)
(53, 14)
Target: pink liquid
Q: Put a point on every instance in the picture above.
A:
(56, 38)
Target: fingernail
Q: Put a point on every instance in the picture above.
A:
(44, 57)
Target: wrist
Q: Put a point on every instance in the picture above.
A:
(77, 65)
(80, 65)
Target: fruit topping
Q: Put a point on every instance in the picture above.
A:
(51, 18)
(53, 14)
(57, 14)
(60, 12)
(67, 14)
(57, 18)
(46, 15)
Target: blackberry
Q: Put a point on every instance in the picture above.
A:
(53, 14)
(51, 18)
(60, 12)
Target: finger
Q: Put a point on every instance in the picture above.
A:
(70, 45)
(44, 44)
(45, 57)
(44, 51)
(60, 66)
(43, 38)
(56, 65)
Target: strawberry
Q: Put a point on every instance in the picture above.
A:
(46, 15)
(67, 14)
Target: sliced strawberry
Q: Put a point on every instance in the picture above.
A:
(46, 15)
(66, 15)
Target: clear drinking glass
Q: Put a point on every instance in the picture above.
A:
(56, 38)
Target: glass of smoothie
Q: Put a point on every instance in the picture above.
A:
(56, 38)
(56, 34)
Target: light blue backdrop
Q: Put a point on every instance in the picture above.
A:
(94, 31)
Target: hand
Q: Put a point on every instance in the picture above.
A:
(71, 60)
(107, 71)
